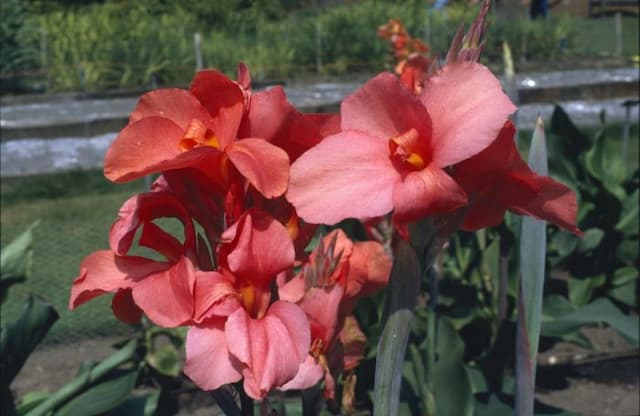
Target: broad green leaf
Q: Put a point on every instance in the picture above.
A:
(452, 387)
(30, 401)
(16, 260)
(532, 273)
(604, 163)
(625, 294)
(624, 275)
(628, 223)
(599, 311)
(21, 337)
(102, 397)
(564, 243)
(591, 239)
(137, 406)
(402, 291)
(581, 290)
(627, 251)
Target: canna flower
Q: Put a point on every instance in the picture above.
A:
(394, 147)
(497, 180)
(238, 332)
(174, 128)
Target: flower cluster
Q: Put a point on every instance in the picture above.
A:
(249, 178)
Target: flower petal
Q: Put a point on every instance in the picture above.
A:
(426, 192)
(384, 108)
(348, 175)
(264, 165)
(151, 145)
(309, 374)
(103, 271)
(271, 349)
(167, 297)
(124, 308)
(177, 105)
(215, 295)
(208, 362)
(467, 109)
(224, 100)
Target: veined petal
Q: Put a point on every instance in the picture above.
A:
(271, 349)
(167, 297)
(426, 192)
(224, 100)
(151, 145)
(309, 374)
(268, 112)
(215, 295)
(348, 175)
(384, 108)
(369, 269)
(208, 362)
(467, 109)
(103, 271)
(177, 105)
(264, 165)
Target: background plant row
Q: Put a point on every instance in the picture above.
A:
(119, 44)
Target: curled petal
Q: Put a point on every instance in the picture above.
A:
(270, 349)
(215, 295)
(264, 165)
(309, 374)
(177, 105)
(348, 175)
(426, 192)
(124, 308)
(369, 269)
(208, 362)
(167, 297)
(103, 271)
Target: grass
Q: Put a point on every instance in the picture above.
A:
(75, 220)
(596, 36)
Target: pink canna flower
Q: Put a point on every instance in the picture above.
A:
(497, 180)
(239, 333)
(394, 147)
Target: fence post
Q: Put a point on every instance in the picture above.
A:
(43, 55)
(618, 28)
(197, 45)
(318, 46)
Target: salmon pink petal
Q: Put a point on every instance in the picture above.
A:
(224, 100)
(268, 112)
(348, 175)
(124, 308)
(292, 290)
(103, 271)
(177, 105)
(151, 145)
(309, 374)
(208, 363)
(167, 297)
(243, 76)
(264, 165)
(215, 295)
(259, 248)
(270, 349)
(384, 108)
(426, 192)
(328, 123)
(555, 203)
(321, 307)
(467, 108)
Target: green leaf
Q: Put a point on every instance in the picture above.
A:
(627, 251)
(624, 275)
(625, 294)
(532, 274)
(88, 379)
(599, 311)
(31, 400)
(603, 161)
(137, 406)
(564, 243)
(591, 239)
(16, 260)
(628, 223)
(452, 387)
(404, 285)
(574, 140)
(581, 290)
(101, 397)
(21, 337)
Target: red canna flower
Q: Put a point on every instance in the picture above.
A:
(173, 128)
(394, 147)
(497, 179)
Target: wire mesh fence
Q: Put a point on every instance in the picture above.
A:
(70, 228)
